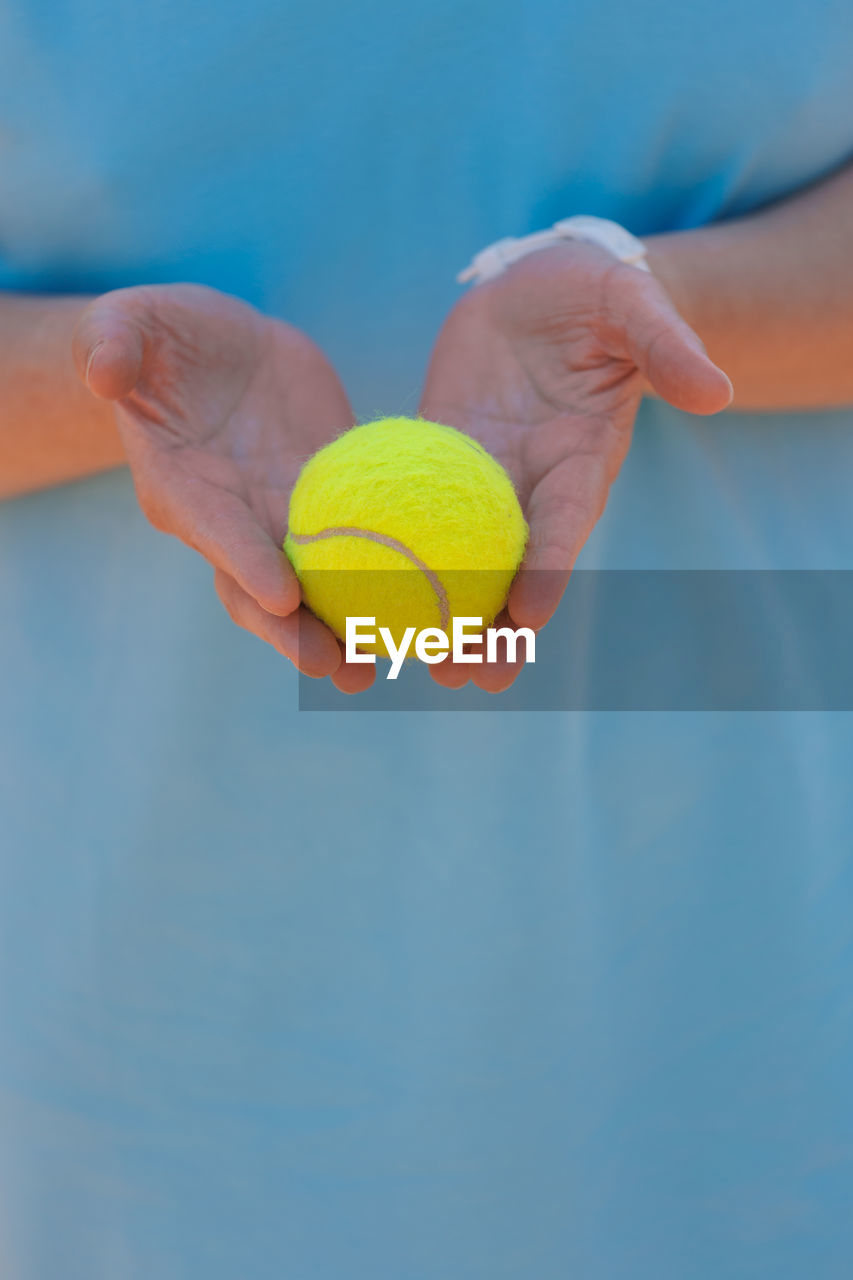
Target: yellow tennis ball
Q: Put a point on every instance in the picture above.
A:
(405, 521)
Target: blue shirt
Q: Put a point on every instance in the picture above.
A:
(414, 997)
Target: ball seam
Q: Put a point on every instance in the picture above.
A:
(345, 531)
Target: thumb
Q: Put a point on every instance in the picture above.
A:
(671, 356)
(108, 347)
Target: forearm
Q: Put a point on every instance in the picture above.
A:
(51, 428)
(771, 296)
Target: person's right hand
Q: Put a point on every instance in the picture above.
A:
(218, 408)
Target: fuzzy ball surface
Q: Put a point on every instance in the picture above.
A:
(406, 521)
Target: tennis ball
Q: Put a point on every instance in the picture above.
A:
(406, 521)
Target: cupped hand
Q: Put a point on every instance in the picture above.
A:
(218, 407)
(546, 365)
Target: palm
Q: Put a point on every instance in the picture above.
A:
(546, 366)
(219, 407)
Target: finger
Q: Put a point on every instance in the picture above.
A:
(449, 674)
(108, 346)
(535, 595)
(452, 674)
(354, 677)
(498, 675)
(221, 527)
(669, 353)
(493, 677)
(562, 512)
(232, 540)
(300, 636)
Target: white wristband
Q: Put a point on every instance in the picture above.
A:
(492, 260)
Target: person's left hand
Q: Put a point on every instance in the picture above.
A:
(546, 365)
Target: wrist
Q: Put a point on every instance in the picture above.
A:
(668, 256)
(52, 429)
(608, 235)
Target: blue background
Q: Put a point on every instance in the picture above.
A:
(414, 997)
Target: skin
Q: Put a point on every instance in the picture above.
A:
(771, 295)
(214, 406)
(546, 366)
(218, 407)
